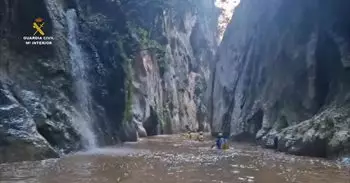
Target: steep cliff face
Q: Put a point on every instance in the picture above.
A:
(116, 70)
(36, 107)
(169, 83)
(282, 77)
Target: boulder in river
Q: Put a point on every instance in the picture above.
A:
(324, 135)
(129, 132)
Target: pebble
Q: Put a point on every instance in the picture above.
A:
(235, 172)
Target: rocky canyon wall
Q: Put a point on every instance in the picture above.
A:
(116, 70)
(281, 76)
(169, 83)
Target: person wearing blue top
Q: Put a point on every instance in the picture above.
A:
(220, 141)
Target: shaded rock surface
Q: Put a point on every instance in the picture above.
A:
(36, 86)
(282, 78)
(19, 137)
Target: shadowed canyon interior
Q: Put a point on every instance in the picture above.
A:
(272, 73)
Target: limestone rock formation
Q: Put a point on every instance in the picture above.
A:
(168, 87)
(19, 137)
(142, 68)
(281, 76)
(36, 120)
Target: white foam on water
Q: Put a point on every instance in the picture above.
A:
(112, 151)
(164, 136)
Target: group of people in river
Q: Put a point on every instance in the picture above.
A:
(221, 141)
(200, 136)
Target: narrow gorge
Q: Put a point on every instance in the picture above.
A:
(121, 70)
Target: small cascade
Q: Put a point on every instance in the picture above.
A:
(84, 122)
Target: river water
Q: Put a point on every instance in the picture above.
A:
(173, 159)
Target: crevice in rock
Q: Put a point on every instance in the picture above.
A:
(151, 124)
(226, 123)
(251, 128)
(322, 76)
(211, 99)
(255, 123)
(327, 57)
(282, 123)
(47, 133)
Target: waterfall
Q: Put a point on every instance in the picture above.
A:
(83, 122)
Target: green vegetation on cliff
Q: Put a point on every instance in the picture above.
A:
(147, 43)
(127, 116)
(129, 90)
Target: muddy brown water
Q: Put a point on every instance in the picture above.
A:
(173, 159)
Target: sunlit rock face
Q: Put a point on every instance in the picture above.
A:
(281, 76)
(227, 9)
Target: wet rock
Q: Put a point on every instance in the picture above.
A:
(38, 84)
(141, 131)
(108, 70)
(19, 138)
(53, 124)
(170, 80)
(340, 143)
(128, 133)
(269, 140)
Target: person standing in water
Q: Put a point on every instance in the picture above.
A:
(200, 136)
(189, 132)
(219, 142)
